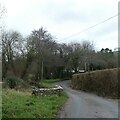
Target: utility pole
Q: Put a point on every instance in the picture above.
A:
(85, 67)
(42, 71)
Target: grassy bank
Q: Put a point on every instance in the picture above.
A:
(101, 82)
(51, 80)
(46, 83)
(18, 104)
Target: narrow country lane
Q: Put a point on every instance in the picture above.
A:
(85, 105)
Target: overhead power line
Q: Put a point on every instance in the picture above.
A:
(91, 27)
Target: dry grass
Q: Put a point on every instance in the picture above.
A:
(101, 82)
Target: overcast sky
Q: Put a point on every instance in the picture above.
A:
(63, 18)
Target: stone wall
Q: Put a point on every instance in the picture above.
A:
(47, 91)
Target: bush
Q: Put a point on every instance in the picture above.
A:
(30, 78)
(101, 82)
(11, 82)
(15, 83)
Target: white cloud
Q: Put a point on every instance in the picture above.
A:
(63, 18)
(16, 7)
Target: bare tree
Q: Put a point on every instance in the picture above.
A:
(2, 13)
(10, 43)
(41, 40)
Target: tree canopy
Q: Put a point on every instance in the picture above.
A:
(38, 56)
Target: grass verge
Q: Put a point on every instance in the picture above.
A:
(18, 104)
(46, 85)
(51, 80)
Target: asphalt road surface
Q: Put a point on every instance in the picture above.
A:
(86, 105)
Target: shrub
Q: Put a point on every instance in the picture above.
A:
(15, 83)
(30, 78)
(11, 82)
